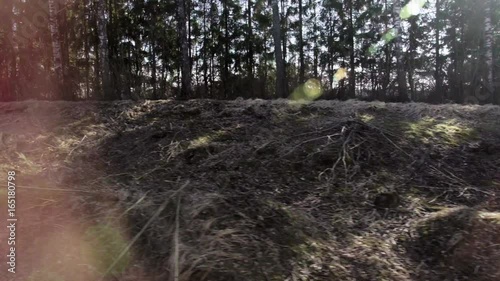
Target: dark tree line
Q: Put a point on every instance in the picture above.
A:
(392, 50)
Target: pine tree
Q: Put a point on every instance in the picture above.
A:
(400, 69)
(280, 67)
(56, 48)
(185, 62)
(103, 50)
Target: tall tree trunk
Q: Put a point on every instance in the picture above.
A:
(163, 82)
(316, 59)
(453, 76)
(185, 64)
(189, 27)
(153, 71)
(64, 39)
(437, 73)
(488, 45)
(284, 40)
(264, 65)
(205, 51)
(278, 55)
(106, 92)
(316, 43)
(138, 70)
(213, 16)
(401, 73)
(461, 59)
(457, 55)
(413, 54)
(250, 42)
(12, 90)
(301, 46)
(387, 62)
(152, 40)
(211, 77)
(352, 75)
(86, 47)
(330, 60)
(56, 48)
(225, 70)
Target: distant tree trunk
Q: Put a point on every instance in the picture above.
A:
(185, 64)
(352, 74)
(301, 46)
(213, 16)
(86, 47)
(250, 41)
(265, 70)
(138, 92)
(437, 73)
(163, 81)
(188, 11)
(280, 68)
(316, 44)
(56, 48)
(152, 46)
(12, 91)
(211, 77)
(401, 73)
(413, 54)
(106, 92)
(461, 59)
(284, 40)
(373, 80)
(67, 92)
(226, 58)
(330, 26)
(488, 45)
(153, 71)
(454, 72)
(387, 62)
(457, 56)
(205, 51)
(316, 59)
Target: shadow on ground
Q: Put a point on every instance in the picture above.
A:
(268, 190)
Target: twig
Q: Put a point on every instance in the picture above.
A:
(176, 240)
(77, 146)
(307, 141)
(57, 189)
(135, 204)
(148, 223)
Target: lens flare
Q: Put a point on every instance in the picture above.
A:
(386, 39)
(340, 74)
(413, 8)
(309, 91)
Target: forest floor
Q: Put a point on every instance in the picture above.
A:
(252, 190)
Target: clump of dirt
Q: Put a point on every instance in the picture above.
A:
(458, 243)
(267, 190)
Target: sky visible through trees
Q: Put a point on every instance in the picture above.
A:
(426, 51)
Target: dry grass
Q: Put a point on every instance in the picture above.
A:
(277, 190)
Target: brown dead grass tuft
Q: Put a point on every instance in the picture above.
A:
(277, 190)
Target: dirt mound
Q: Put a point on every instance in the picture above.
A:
(262, 190)
(458, 243)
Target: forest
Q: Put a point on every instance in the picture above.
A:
(437, 51)
(226, 140)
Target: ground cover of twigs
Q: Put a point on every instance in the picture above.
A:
(253, 190)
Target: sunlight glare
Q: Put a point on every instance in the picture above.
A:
(340, 74)
(386, 39)
(413, 8)
(106, 244)
(309, 91)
